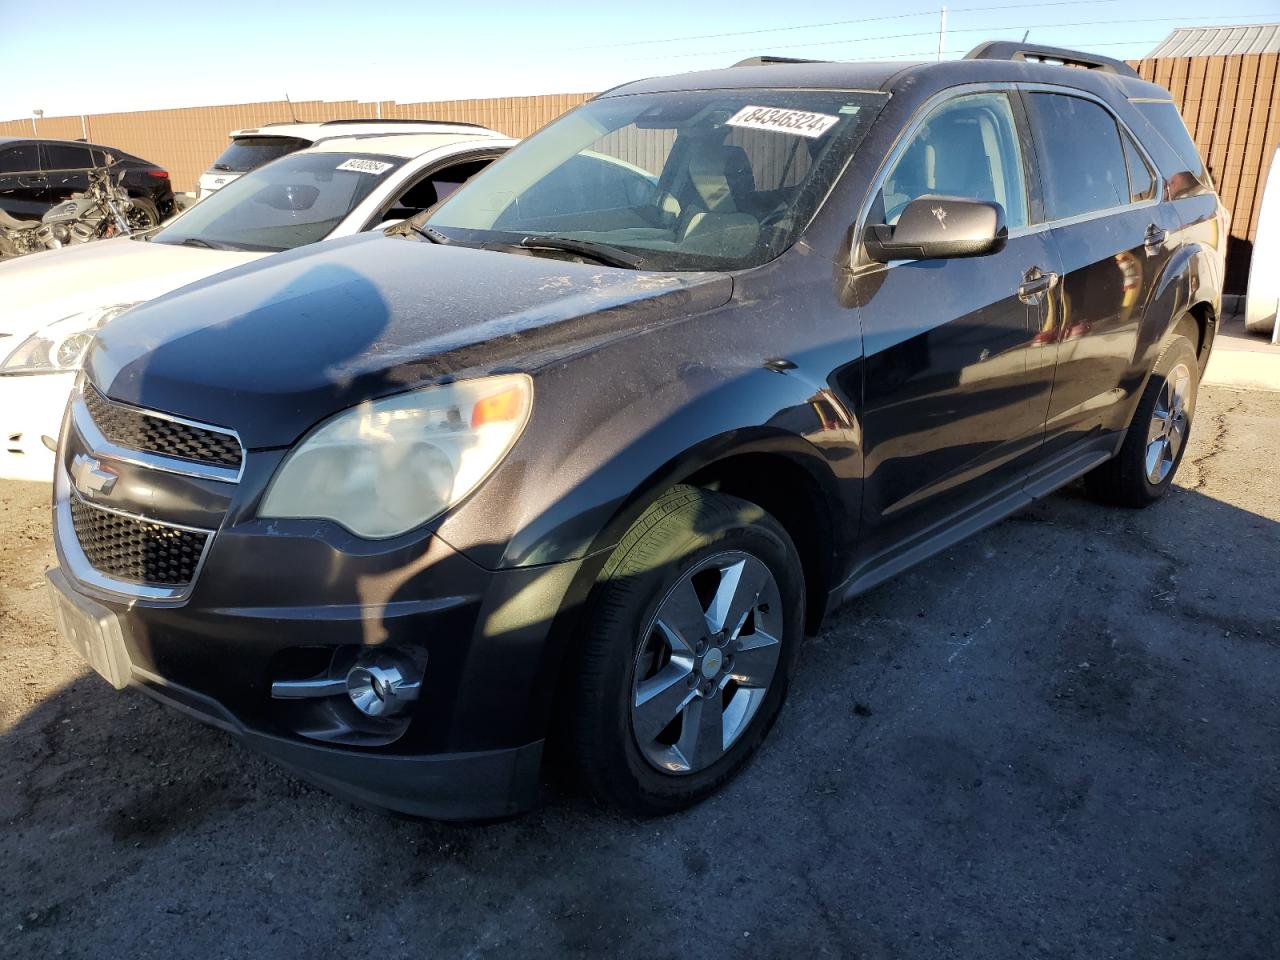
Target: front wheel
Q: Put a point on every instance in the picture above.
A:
(1157, 437)
(695, 629)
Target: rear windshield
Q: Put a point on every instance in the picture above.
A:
(297, 200)
(249, 153)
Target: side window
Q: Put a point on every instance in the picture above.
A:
(1082, 161)
(19, 159)
(430, 190)
(1186, 176)
(59, 156)
(967, 148)
(1142, 183)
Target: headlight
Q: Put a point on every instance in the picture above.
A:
(62, 344)
(387, 466)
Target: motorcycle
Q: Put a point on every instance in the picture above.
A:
(104, 210)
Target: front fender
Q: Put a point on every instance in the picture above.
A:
(584, 471)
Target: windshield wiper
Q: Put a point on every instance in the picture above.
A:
(203, 244)
(600, 252)
(431, 233)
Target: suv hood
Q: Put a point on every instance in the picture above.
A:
(43, 287)
(271, 349)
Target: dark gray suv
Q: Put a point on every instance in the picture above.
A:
(577, 457)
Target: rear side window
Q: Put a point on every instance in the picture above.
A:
(966, 148)
(1142, 182)
(58, 156)
(1082, 161)
(249, 153)
(19, 159)
(1191, 176)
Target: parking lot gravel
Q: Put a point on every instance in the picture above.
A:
(1060, 739)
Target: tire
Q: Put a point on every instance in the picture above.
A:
(143, 216)
(1144, 468)
(691, 545)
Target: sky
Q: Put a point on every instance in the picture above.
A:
(57, 58)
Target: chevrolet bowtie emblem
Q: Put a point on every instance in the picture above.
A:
(91, 477)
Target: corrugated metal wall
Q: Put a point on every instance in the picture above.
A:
(1231, 104)
(187, 140)
(1232, 108)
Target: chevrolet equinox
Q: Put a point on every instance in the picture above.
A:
(576, 458)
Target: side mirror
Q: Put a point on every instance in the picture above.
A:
(939, 228)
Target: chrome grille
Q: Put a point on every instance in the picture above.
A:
(148, 432)
(139, 551)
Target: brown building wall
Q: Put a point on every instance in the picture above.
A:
(1231, 105)
(1232, 108)
(187, 140)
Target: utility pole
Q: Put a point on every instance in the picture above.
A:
(942, 32)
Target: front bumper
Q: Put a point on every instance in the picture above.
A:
(455, 786)
(31, 408)
(278, 602)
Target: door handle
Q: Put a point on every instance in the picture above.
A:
(1153, 242)
(1035, 285)
(37, 181)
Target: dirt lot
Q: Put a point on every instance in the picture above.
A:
(1061, 740)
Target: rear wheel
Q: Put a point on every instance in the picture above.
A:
(1157, 437)
(142, 215)
(695, 628)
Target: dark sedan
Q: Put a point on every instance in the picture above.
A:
(37, 175)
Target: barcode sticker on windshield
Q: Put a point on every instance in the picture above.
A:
(800, 122)
(376, 167)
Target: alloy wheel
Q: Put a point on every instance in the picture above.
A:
(706, 662)
(1169, 420)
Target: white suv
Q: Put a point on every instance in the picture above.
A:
(251, 148)
(54, 302)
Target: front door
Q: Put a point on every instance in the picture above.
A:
(955, 387)
(66, 167)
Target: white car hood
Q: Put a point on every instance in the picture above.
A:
(42, 287)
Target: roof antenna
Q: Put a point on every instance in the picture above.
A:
(290, 103)
(1025, 35)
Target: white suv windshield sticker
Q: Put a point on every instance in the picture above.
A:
(376, 167)
(799, 122)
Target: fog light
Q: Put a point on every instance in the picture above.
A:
(380, 688)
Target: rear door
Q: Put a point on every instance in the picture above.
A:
(1103, 212)
(955, 391)
(23, 191)
(66, 168)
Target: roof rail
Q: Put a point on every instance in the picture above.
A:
(1034, 53)
(333, 123)
(767, 59)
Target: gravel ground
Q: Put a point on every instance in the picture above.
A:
(1061, 740)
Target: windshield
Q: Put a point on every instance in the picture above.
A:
(693, 180)
(297, 200)
(249, 153)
